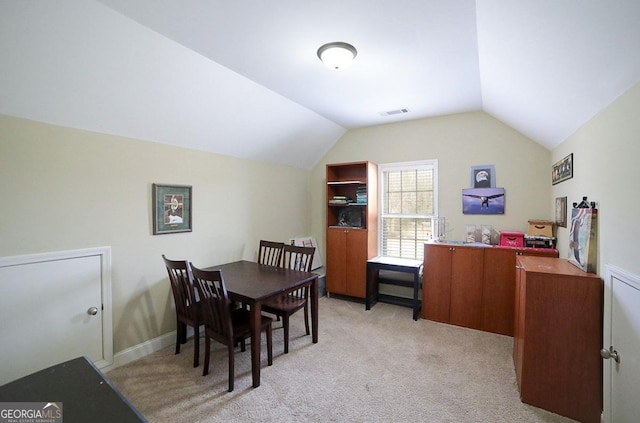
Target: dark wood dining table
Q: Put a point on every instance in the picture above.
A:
(82, 393)
(252, 284)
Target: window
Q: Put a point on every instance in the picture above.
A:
(408, 205)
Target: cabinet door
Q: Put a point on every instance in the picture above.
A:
(356, 262)
(436, 284)
(347, 261)
(498, 290)
(518, 328)
(466, 287)
(336, 279)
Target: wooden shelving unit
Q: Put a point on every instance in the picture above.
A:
(352, 232)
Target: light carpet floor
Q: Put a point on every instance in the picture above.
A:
(368, 366)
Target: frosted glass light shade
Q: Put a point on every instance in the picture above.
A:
(337, 55)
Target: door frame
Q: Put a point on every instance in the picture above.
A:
(105, 277)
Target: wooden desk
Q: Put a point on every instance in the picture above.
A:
(79, 389)
(413, 267)
(252, 284)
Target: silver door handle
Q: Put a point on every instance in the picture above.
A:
(610, 353)
(92, 311)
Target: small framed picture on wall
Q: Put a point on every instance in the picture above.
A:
(561, 212)
(562, 170)
(171, 209)
(483, 176)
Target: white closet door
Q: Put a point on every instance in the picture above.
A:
(50, 311)
(622, 378)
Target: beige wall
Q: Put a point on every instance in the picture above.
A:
(458, 142)
(66, 189)
(606, 152)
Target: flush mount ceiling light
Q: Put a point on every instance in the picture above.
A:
(337, 55)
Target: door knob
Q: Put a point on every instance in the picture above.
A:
(92, 311)
(610, 353)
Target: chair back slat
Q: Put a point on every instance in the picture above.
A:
(215, 301)
(298, 257)
(182, 287)
(270, 253)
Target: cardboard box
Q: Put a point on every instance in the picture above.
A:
(512, 239)
(540, 228)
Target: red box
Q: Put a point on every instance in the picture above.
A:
(512, 239)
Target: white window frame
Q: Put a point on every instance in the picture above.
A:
(386, 167)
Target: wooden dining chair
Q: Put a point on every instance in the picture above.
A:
(223, 322)
(188, 311)
(270, 253)
(296, 258)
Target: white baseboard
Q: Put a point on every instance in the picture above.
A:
(141, 350)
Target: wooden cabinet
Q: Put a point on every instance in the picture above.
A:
(347, 262)
(499, 286)
(473, 287)
(436, 283)
(558, 336)
(352, 231)
(452, 284)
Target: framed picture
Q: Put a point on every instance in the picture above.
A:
(561, 212)
(171, 209)
(483, 201)
(483, 176)
(562, 170)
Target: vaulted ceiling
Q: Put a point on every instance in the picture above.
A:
(242, 78)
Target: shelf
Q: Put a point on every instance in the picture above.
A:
(345, 227)
(348, 205)
(346, 182)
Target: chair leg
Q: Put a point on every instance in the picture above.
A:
(306, 318)
(196, 346)
(179, 329)
(207, 351)
(231, 365)
(183, 333)
(269, 345)
(285, 325)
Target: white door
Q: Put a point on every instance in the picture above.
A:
(622, 335)
(51, 311)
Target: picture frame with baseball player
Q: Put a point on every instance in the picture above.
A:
(171, 209)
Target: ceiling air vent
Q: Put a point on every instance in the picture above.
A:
(394, 112)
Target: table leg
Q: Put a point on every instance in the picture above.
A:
(314, 310)
(256, 317)
(371, 292)
(416, 285)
